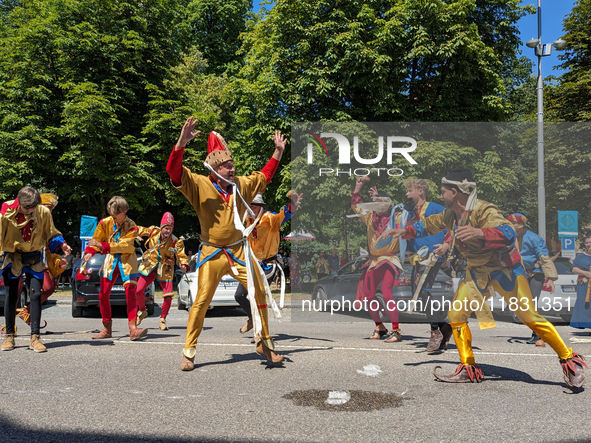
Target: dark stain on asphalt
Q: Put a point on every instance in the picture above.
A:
(361, 401)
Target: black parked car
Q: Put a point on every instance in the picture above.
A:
(86, 287)
(343, 286)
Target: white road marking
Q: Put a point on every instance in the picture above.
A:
(580, 340)
(370, 370)
(338, 398)
(319, 348)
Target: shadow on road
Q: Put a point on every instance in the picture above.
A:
(14, 433)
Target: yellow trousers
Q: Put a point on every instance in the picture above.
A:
(210, 274)
(458, 319)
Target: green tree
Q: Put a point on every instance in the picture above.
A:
(75, 84)
(570, 100)
(215, 26)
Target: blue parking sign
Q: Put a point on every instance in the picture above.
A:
(568, 243)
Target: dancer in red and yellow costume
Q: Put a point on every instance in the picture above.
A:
(26, 228)
(382, 266)
(220, 200)
(114, 237)
(158, 263)
(54, 266)
(487, 241)
(264, 241)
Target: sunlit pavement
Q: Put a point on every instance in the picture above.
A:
(117, 390)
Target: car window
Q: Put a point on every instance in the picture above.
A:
(350, 268)
(561, 268)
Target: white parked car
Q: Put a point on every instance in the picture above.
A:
(557, 304)
(223, 296)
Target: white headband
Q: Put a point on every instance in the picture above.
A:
(465, 187)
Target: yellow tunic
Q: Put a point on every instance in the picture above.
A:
(162, 253)
(11, 239)
(122, 249)
(480, 261)
(216, 216)
(484, 215)
(266, 243)
(385, 253)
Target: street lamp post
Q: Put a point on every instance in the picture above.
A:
(542, 50)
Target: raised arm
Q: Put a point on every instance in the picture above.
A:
(175, 161)
(145, 232)
(271, 167)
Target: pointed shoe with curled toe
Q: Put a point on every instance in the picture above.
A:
(463, 374)
(272, 356)
(574, 370)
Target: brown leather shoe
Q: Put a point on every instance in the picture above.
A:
(541, 343)
(187, 364)
(447, 332)
(574, 372)
(247, 327)
(36, 344)
(106, 332)
(8, 343)
(434, 341)
(272, 356)
(463, 374)
(134, 332)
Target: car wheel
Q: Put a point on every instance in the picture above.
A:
(319, 297)
(76, 312)
(24, 297)
(150, 309)
(306, 278)
(181, 305)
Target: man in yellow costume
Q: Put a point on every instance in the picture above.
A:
(487, 241)
(220, 200)
(158, 263)
(264, 241)
(114, 238)
(26, 228)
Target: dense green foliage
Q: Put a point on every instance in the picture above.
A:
(93, 93)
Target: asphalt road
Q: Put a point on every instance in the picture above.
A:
(115, 390)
